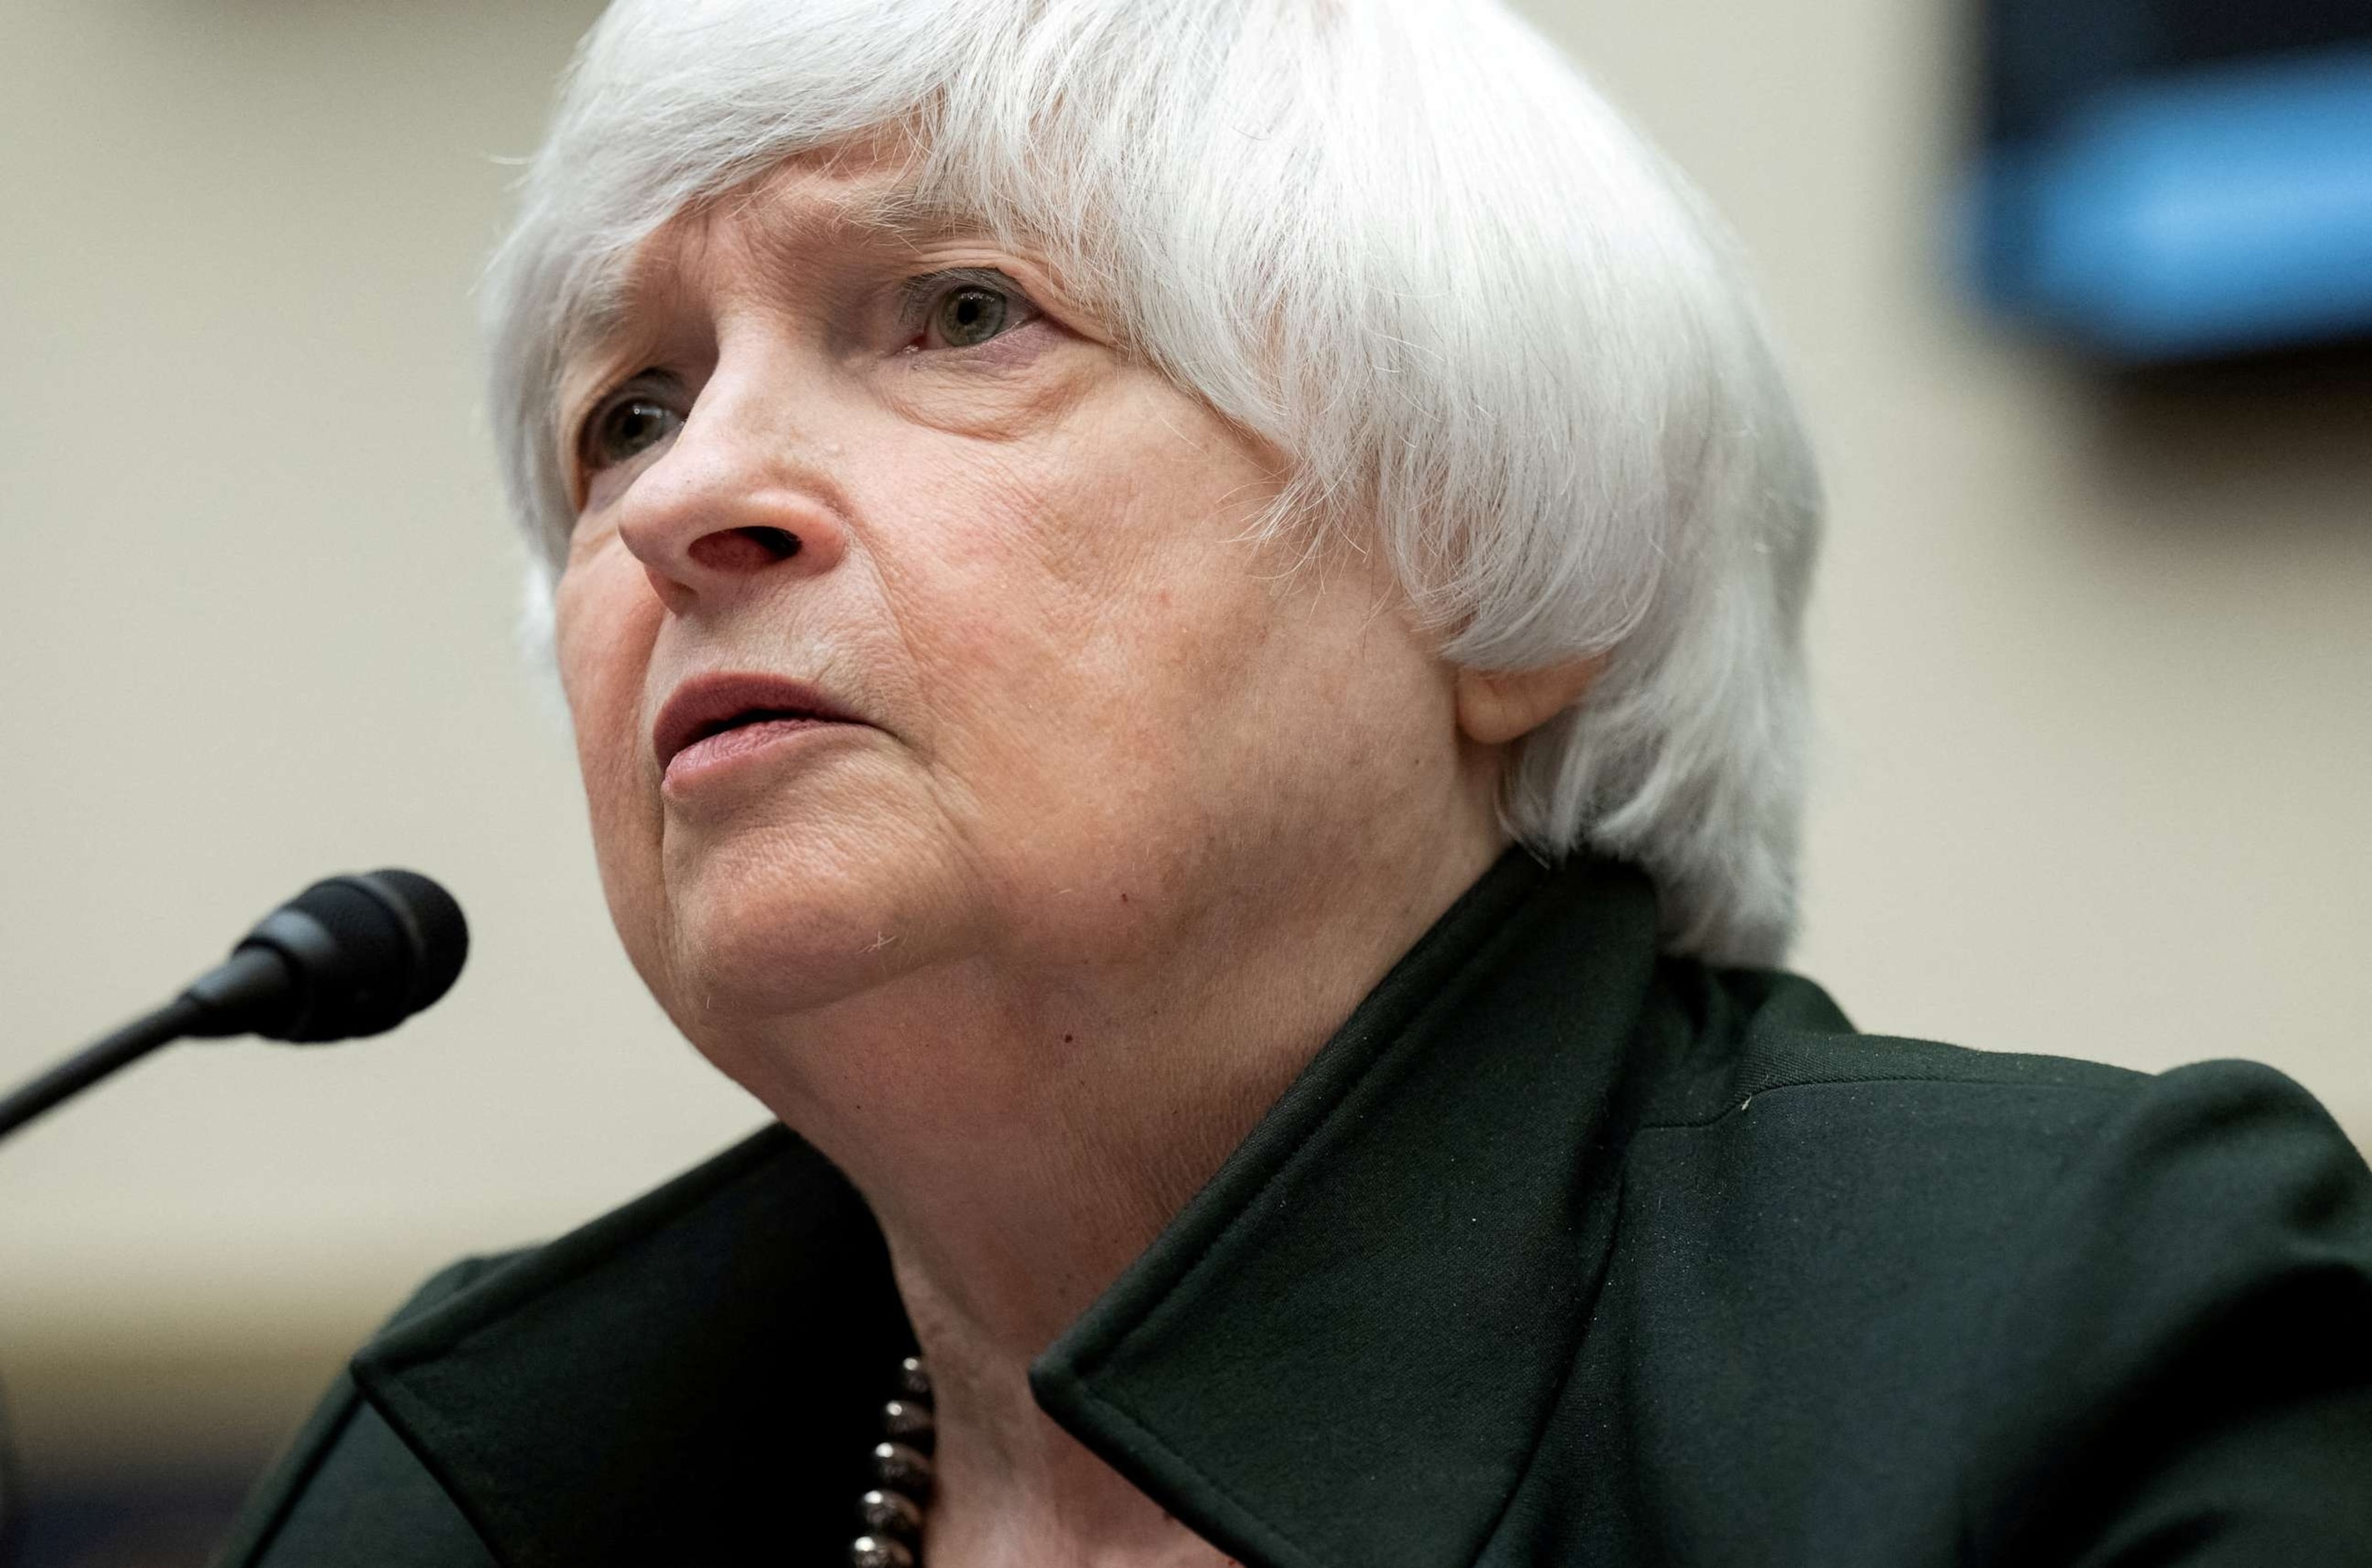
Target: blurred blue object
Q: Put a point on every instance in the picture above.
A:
(2227, 209)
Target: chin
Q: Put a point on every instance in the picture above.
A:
(787, 921)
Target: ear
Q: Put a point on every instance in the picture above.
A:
(1497, 706)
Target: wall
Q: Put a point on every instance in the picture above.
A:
(2093, 663)
(2093, 659)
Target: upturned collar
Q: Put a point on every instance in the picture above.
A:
(1339, 1355)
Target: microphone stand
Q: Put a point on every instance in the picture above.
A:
(349, 956)
(229, 999)
(135, 1039)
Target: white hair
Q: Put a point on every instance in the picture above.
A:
(1400, 240)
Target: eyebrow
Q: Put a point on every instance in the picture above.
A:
(886, 214)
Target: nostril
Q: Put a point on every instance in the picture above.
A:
(744, 550)
(780, 543)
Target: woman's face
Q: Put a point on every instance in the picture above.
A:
(908, 623)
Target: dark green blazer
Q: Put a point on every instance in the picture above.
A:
(1561, 1252)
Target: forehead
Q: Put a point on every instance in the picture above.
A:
(794, 218)
(821, 202)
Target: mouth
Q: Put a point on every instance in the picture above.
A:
(710, 717)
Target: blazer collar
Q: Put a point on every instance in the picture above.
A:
(1339, 1355)
(1342, 1352)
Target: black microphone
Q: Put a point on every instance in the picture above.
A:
(348, 957)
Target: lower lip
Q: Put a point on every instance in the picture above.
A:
(712, 755)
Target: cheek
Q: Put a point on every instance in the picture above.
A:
(1087, 626)
(606, 619)
(1029, 609)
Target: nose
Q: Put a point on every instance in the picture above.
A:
(732, 504)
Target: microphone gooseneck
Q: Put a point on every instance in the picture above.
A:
(348, 957)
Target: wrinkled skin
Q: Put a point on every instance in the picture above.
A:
(1137, 810)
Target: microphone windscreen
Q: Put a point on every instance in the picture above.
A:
(364, 952)
(439, 932)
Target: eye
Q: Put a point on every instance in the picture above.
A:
(625, 428)
(966, 309)
(968, 316)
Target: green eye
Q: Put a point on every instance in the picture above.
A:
(970, 314)
(626, 429)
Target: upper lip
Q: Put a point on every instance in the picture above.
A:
(707, 703)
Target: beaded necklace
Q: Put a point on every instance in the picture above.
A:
(892, 1510)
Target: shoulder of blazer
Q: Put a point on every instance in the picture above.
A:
(331, 1432)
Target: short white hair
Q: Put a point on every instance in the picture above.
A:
(1400, 240)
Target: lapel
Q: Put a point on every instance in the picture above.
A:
(1339, 1355)
(688, 1381)
(1342, 1352)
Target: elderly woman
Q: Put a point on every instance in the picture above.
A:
(1181, 619)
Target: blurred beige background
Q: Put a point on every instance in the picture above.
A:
(2094, 664)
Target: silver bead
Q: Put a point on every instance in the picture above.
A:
(873, 1552)
(890, 1512)
(913, 1378)
(902, 1469)
(908, 1422)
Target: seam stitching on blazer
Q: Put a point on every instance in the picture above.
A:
(315, 1458)
(1153, 1439)
(1743, 1101)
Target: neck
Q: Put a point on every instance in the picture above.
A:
(1023, 1137)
